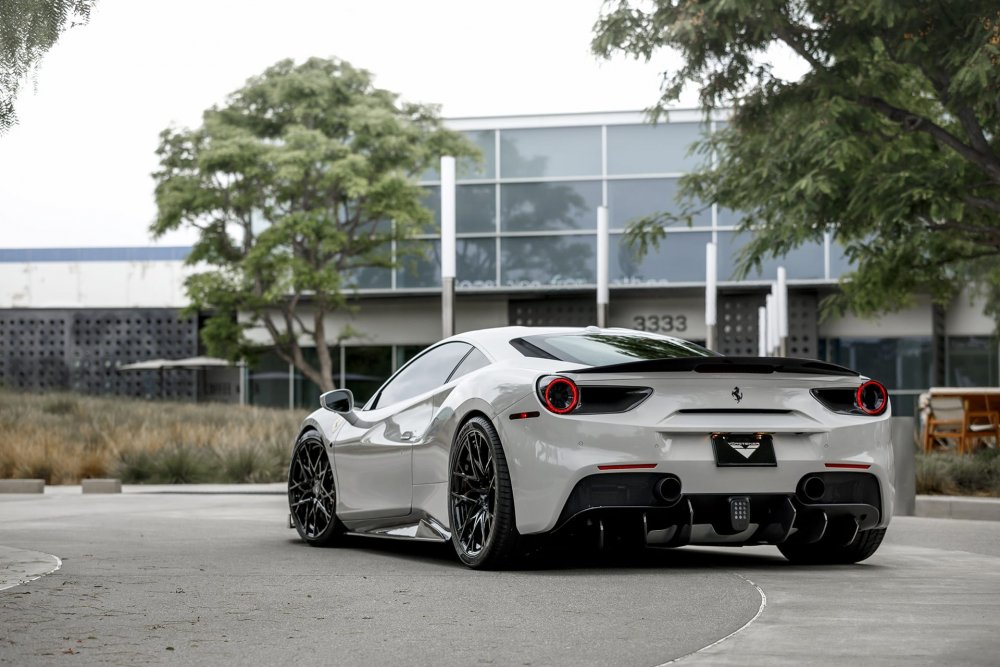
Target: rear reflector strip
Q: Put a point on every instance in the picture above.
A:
(628, 466)
(851, 466)
(523, 415)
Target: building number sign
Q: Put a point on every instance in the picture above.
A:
(660, 323)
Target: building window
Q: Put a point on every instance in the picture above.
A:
(561, 261)
(633, 198)
(544, 152)
(475, 208)
(804, 262)
(549, 206)
(419, 263)
(366, 368)
(305, 391)
(680, 258)
(267, 381)
(839, 263)
(654, 149)
(972, 361)
(476, 262)
(486, 142)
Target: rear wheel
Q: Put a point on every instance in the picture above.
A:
(480, 499)
(312, 496)
(828, 552)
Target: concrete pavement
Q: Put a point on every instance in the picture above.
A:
(214, 578)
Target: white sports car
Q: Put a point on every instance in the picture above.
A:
(494, 435)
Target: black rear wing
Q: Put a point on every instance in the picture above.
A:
(737, 365)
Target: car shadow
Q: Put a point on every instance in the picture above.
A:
(583, 560)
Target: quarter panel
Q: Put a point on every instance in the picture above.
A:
(484, 391)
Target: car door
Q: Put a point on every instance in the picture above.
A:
(374, 458)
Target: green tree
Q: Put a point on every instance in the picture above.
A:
(28, 29)
(891, 139)
(303, 178)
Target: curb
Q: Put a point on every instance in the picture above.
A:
(958, 507)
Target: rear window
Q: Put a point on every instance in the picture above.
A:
(604, 349)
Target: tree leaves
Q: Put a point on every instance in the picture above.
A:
(28, 29)
(890, 141)
(304, 177)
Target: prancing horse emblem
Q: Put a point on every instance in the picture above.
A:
(737, 395)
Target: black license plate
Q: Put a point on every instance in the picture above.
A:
(743, 449)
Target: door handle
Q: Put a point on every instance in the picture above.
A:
(407, 436)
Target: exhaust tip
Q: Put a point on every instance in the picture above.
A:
(668, 489)
(813, 488)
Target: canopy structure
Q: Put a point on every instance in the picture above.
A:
(163, 365)
(193, 363)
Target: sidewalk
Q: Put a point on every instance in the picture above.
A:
(958, 507)
(275, 489)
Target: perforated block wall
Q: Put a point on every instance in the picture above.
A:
(80, 350)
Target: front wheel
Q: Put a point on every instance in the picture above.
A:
(480, 499)
(312, 495)
(828, 552)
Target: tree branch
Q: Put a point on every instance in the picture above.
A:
(913, 122)
(982, 202)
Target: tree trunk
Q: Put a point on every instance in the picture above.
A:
(323, 352)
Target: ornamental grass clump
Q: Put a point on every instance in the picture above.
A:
(63, 438)
(944, 473)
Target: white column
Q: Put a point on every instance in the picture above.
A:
(762, 332)
(772, 324)
(603, 242)
(782, 302)
(447, 246)
(711, 292)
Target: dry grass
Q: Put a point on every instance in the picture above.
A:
(944, 473)
(64, 438)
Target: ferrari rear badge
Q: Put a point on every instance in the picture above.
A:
(737, 394)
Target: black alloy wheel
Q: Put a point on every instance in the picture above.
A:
(480, 500)
(312, 496)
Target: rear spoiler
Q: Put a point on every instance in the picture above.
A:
(739, 365)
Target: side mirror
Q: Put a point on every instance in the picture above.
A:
(340, 401)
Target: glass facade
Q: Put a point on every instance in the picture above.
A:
(526, 214)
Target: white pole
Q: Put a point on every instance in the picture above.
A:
(771, 323)
(447, 245)
(711, 292)
(782, 299)
(603, 243)
(762, 332)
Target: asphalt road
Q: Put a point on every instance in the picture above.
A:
(216, 578)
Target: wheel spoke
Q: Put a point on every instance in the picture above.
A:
(462, 498)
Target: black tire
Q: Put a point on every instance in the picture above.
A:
(826, 552)
(312, 494)
(480, 499)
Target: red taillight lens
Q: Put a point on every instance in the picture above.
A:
(872, 398)
(558, 394)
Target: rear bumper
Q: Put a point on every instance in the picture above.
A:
(634, 504)
(548, 456)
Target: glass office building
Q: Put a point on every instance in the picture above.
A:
(526, 227)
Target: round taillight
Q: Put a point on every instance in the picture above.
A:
(559, 395)
(872, 398)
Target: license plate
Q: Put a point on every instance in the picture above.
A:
(743, 449)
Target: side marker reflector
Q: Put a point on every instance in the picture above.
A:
(628, 466)
(851, 466)
(523, 415)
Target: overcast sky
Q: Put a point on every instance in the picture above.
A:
(76, 170)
